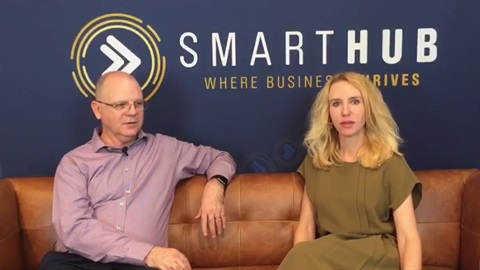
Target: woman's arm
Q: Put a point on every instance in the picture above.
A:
(409, 244)
(306, 226)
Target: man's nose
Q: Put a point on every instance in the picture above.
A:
(131, 109)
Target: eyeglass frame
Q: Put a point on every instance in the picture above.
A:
(123, 107)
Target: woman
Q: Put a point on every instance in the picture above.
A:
(359, 191)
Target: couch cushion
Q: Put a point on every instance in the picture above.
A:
(34, 196)
(10, 244)
(438, 216)
(470, 229)
(262, 267)
(436, 268)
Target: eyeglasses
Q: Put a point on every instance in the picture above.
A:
(140, 105)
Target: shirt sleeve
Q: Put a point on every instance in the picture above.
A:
(78, 230)
(203, 160)
(402, 182)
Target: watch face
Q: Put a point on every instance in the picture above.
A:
(222, 180)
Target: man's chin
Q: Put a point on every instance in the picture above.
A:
(131, 133)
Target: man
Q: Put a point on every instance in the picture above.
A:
(113, 195)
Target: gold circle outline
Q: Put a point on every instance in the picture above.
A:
(161, 62)
(83, 47)
(116, 26)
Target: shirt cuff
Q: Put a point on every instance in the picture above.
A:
(137, 253)
(225, 172)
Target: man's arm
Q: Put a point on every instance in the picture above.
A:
(214, 163)
(76, 227)
(193, 160)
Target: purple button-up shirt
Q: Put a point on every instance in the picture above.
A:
(114, 206)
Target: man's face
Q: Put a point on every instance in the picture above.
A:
(122, 119)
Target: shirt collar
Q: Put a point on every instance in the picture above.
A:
(97, 143)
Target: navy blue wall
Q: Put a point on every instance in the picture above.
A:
(432, 87)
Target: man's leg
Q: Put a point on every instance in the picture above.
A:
(68, 261)
(122, 266)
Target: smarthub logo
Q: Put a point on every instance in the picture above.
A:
(114, 42)
(358, 47)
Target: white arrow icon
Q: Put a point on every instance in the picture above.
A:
(133, 60)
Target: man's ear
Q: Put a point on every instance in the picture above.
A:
(96, 109)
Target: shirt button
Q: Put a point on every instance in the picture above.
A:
(118, 227)
(122, 204)
(127, 191)
(126, 170)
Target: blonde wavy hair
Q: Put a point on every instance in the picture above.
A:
(381, 131)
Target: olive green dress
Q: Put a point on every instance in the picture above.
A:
(354, 215)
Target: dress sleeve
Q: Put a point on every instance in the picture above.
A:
(301, 168)
(402, 182)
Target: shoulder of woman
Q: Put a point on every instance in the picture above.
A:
(395, 160)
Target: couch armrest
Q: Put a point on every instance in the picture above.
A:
(470, 224)
(11, 256)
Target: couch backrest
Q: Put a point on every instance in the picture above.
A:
(262, 212)
(263, 208)
(439, 216)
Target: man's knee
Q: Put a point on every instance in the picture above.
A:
(59, 261)
(48, 261)
(69, 261)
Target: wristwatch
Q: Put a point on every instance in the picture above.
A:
(223, 180)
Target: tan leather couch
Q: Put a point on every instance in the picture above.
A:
(262, 212)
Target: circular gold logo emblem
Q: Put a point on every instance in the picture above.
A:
(122, 57)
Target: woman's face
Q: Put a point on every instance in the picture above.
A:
(347, 109)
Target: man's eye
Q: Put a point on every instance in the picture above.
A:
(120, 105)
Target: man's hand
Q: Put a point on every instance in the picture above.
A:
(212, 211)
(167, 259)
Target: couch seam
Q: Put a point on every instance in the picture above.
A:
(10, 234)
(471, 174)
(293, 198)
(468, 230)
(36, 228)
(440, 222)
